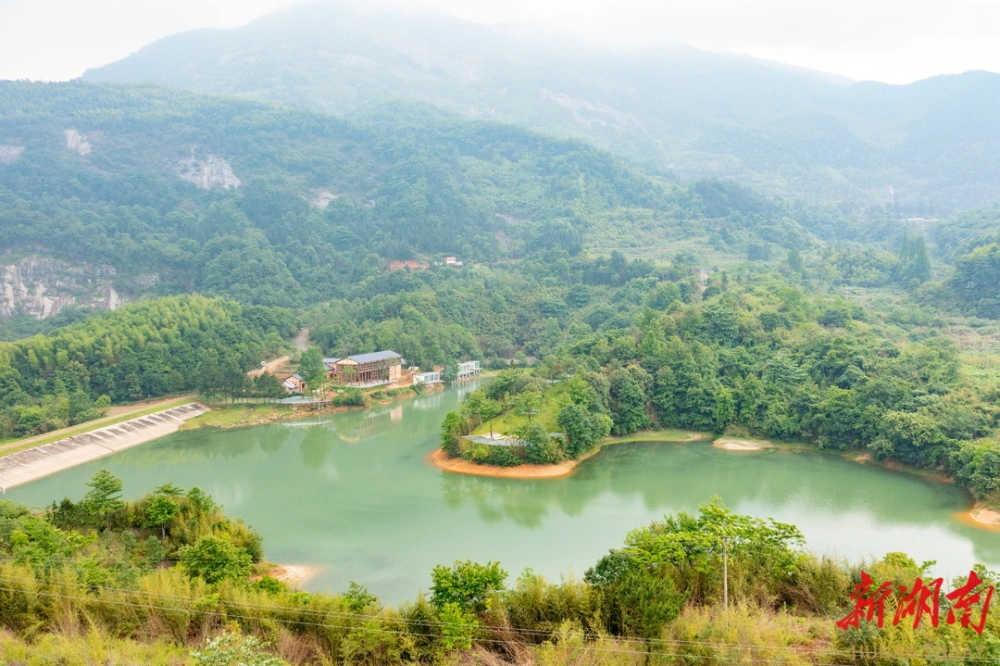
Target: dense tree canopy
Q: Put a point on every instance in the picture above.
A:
(149, 349)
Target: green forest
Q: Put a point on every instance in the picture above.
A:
(325, 203)
(605, 295)
(160, 347)
(767, 359)
(693, 113)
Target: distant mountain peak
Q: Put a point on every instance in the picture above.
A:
(786, 129)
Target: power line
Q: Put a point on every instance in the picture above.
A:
(367, 616)
(399, 632)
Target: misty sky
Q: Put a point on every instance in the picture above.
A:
(897, 41)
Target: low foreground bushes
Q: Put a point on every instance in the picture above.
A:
(171, 580)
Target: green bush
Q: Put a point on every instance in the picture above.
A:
(233, 649)
(547, 453)
(350, 398)
(502, 456)
(215, 560)
(467, 584)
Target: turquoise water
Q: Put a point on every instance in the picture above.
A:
(353, 495)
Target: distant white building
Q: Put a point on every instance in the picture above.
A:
(452, 261)
(427, 378)
(468, 369)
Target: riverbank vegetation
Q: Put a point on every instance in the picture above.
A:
(245, 414)
(168, 579)
(646, 345)
(758, 355)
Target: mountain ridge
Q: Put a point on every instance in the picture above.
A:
(267, 205)
(702, 115)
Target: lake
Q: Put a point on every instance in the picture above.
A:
(352, 494)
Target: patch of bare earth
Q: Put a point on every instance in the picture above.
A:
(292, 575)
(729, 444)
(983, 516)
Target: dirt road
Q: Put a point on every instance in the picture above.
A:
(302, 339)
(267, 367)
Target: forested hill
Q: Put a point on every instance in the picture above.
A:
(931, 146)
(179, 192)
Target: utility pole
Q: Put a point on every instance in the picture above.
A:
(725, 579)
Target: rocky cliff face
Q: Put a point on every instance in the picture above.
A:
(76, 141)
(9, 154)
(213, 171)
(41, 286)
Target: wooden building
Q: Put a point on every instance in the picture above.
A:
(294, 383)
(365, 370)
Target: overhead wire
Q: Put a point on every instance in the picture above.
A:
(502, 642)
(650, 642)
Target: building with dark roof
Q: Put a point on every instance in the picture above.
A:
(294, 383)
(365, 370)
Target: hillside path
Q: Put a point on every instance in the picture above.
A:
(267, 367)
(302, 339)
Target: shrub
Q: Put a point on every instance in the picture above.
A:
(457, 627)
(214, 560)
(466, 583)
(546, 453)
(230, 649)
(350, 398)
(501, 456)
(270, 585)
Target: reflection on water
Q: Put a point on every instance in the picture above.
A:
(432, 401)
(353, 494)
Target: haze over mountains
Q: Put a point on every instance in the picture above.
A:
(929, 148)
(115, 189)
(113, 192)
(144, 190)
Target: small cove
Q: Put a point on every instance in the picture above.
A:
(353, 494)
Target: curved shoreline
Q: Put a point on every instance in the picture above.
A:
(440, 459)
(981, 517)
(293, 575)
(978, 515)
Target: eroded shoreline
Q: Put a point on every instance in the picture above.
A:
(732, 444)
(293, 575)
(982, 517)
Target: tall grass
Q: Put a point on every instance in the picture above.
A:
(88, 649)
